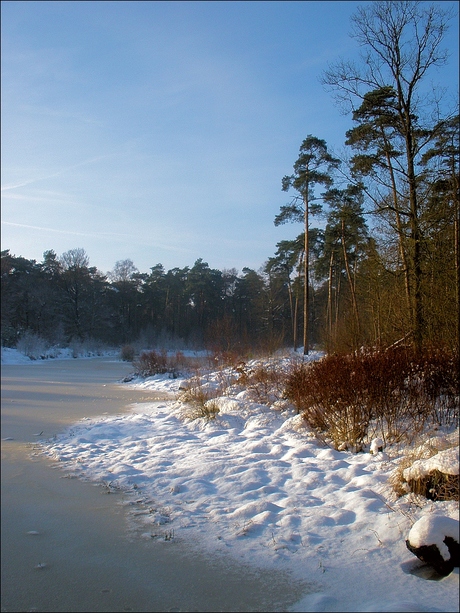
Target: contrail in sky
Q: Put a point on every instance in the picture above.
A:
(139, 238)
(59, 172)
(97, 234)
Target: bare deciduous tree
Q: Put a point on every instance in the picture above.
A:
(401, 42)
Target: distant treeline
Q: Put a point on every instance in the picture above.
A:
(63, 299)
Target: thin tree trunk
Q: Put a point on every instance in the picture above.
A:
(296, 310)
(402, 250)
(296, 304)
(350, 279)
(329, 298)
(306, 294)
(457, 267)
(417, 251)
(291, 310)
(337, 301)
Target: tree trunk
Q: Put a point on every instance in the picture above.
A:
(457, 267)
(329, 298)
(402, 249)
(305, 290)
(350, 280)
(291, 309)
(416, 243)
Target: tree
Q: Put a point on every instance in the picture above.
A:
(289, 257)
(379, 159)
(176, 301)
(18, 282)
(441, 164)
(313, 167)
(251, 309)
(205, 291)
(83, 290)
(154, 300)
(401, 42)
(125, 286)
(345, 239)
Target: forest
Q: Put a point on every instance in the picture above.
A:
(377, 262)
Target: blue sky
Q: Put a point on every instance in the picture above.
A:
(160, 131)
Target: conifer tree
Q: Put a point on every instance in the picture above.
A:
(401, 41)
(345, 239)
(313, 167)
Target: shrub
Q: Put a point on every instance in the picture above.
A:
(223, 359)
(32, 345)
(88, 347)
(265, 382)
(396, 393)
(127, 353)
(325, 393)
(442, 384)
(151, 363)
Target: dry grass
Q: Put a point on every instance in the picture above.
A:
(434, 486)
(201, 400)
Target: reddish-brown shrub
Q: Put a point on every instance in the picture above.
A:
(329, 395)
(127, 353)
(151, 363)
(397, 392)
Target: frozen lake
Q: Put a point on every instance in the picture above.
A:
(65, 546)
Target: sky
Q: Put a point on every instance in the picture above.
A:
(160, 131)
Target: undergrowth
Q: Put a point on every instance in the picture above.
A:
(153, 362)
(265, 382)
(396, 393)
(201, 400)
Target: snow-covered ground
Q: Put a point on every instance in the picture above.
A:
(254, 484)
(13, 356)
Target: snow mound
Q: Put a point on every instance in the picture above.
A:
(446, 462)
(432, 530)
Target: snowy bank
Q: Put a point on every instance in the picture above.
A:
(13, 356)
(255, 484)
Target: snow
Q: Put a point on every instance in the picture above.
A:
(376, 445)
(432, 530)
(256, 485)
(446, 461)
(13, 356)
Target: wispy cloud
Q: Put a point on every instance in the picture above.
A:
(174, 245)
(88, 234)
(57, 173)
